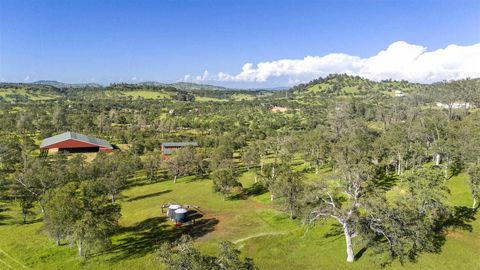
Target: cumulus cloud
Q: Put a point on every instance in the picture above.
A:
(400, 61)
(134, 79)
(203, 77)
(27, 78)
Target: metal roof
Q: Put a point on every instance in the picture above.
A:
(74, 136)
(179, 144)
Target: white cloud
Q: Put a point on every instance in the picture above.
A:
(400, 61)
(203, 77)
(27, 78)
(134, 79)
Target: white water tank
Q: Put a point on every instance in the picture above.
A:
(180, 215)
(171, 210)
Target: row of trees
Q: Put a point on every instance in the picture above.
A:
(368, 168)
(76, 198)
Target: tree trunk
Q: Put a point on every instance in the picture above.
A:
(175, 179)
(437, 159)
(42, 208)
(348, 242)
(256, 179)
(57, 241)
(24, 215)
(399, 165)
(445, 171)
(316, 168)
(79, 247)
(271, 197)
(113, 198)
(474, 202)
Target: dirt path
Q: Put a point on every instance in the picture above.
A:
(10, 259)
(6, 264)
(258, 235)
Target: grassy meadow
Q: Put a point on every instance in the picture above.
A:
(252, 222)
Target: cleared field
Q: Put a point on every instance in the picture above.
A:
(239, 97)
(146, 94)
(206, 99)
(8, 94)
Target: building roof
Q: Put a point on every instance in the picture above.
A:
(167, 151)
(74, 136)
(179, 144)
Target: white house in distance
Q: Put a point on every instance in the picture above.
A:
(455, 105)
(399, 93)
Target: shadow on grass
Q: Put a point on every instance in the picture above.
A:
(3, 217)
(155, 194)
(255, 190)
(146, 236)
(335, 230)
(360, 253)
(386, 181)
(138, 183)
(460, 218)
(196, 178)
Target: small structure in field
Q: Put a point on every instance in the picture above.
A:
(171, 210)
(72, 142)
(455, 105)
(278, 109)
(182, 215)
(169, 147)
(399, 93)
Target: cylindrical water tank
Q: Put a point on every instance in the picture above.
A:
(171, 210)
(180, 215)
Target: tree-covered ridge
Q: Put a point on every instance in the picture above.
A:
(333, 85)
(343, 85)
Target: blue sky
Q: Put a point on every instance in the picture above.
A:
(131, 41)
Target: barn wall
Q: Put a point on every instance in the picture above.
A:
(106, 150)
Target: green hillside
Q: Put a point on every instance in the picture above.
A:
(345, 85)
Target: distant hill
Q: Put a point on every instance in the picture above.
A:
(67, 85)
(186, 86)
(342, 84)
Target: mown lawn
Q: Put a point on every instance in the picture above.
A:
(254, 224)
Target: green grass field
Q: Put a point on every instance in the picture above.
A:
(5, 93)
(254, 224)
(146, 94)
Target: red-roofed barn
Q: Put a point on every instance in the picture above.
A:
(73, 143)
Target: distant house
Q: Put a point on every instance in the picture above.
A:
(399, 93)
(169, 147)
(72, 142)
(277, 109)
(455, 105)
